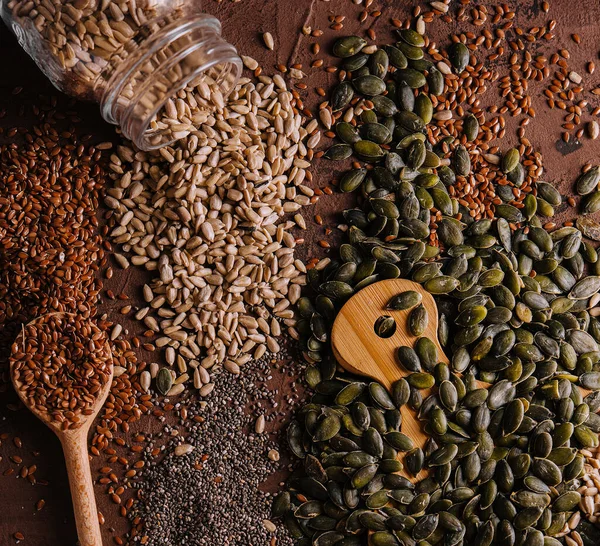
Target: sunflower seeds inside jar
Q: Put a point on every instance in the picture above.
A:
(131, 57)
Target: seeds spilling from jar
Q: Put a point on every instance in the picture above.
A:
(204, 215)
(130, 56)
(60, 364)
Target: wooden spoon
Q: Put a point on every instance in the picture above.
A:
(75, 448)
(359, 350)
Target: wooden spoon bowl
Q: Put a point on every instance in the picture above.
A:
(359, 350)
(75, 448)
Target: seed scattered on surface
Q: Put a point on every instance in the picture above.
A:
(184, 449)
(268, 40)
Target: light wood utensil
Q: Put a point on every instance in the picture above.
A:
(75, 449)
(359, 350)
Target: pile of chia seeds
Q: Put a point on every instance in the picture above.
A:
(213, 495)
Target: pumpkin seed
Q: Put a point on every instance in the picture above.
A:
(459, 56)
(367, 150)
(417, 320)
(338, 152)
(341, 96)
(369, 85)
(410, 77)
(510, 160)
(348, 46)
(385, 326)
(588, 181)
(164, 381)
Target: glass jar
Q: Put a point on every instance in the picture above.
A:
(133, 57)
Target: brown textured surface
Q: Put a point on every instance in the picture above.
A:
(242, 22)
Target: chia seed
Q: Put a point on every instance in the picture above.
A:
(214, 494)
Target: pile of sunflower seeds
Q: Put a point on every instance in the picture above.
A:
(504, 463)
(204, 215)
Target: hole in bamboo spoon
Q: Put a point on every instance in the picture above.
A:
(385, 326)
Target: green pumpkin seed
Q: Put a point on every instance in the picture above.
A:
(383, 538)
(588, 182)
(338, 152)
(438, 421)
(409, 359)
(396, 57)
(399, 441)
(379, 63)
(376, 132)
(337, 290)
(411, 53)
(591, 203)
(380, 396)
(417, 320)
(471, 127)
(410, 77)
(547, 471)
(349, 393)
(341, 96)
(385, 326)
(363, 476)
(427, 353)
(355, 62)
(327, 429)
(424, 108)
(435, 82)
(411, 37)
(281, 504)
(164, 381)
(421, 380)
(369, 85)
(459, 56)
(352, 180)
(404, 300)
(461, 161)
(585, 288)
(348, 46)
(441, 285)
(443, 455)
(566, 502)
(510, 160)
(509, 213)
(367, 150)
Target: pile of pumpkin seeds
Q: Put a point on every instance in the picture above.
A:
(516, 303)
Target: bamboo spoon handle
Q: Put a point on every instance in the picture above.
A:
(82, 488)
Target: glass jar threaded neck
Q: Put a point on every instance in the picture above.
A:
(139, 93)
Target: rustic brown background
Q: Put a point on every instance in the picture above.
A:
(243, 22)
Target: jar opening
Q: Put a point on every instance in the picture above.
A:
(167, 122)
(142, 95)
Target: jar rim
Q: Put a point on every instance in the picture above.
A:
(224, 54)
(232, 64)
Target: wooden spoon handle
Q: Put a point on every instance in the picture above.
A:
(82, 489)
